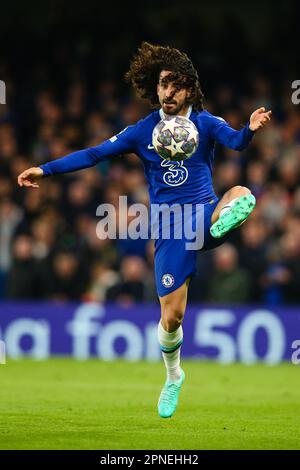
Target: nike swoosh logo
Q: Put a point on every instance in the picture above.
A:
(150, 147)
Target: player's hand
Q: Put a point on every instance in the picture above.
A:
(30, 177)
(259, 119)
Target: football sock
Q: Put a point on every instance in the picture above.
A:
(170, 345)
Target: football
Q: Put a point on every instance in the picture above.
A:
(175, 139)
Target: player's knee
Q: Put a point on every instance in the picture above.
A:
(172, 318)
(246, 190)
(238, 191)
(172, 324)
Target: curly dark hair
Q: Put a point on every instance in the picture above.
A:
(147, 64)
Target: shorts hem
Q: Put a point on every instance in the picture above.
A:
(175, 287)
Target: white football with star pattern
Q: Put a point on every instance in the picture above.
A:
(175, 139)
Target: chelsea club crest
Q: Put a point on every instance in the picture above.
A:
(167, 280)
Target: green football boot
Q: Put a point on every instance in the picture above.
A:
(168, 399)
(233, 217)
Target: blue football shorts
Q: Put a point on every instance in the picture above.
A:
(173, 262)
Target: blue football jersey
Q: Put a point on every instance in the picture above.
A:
(188, 181)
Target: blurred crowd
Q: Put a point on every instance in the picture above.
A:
(49, 247)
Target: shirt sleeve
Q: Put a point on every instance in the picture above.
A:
(124, 142)
(222, 133)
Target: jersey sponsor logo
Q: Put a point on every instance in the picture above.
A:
(150, 147)
(167, 280)
(176, 174)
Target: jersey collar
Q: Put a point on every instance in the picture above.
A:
(189, 112)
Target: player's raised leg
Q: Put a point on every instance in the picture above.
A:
(232, 210)
(170, 337)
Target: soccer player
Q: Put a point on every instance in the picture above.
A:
(167, 78)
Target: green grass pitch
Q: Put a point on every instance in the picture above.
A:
(65, 404)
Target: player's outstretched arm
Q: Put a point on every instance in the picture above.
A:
(124, 142)
(238, 140)
(72, 162)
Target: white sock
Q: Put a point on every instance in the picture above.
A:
(171, 342)
(228, 206)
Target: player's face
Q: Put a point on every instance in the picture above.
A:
(172, 100)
